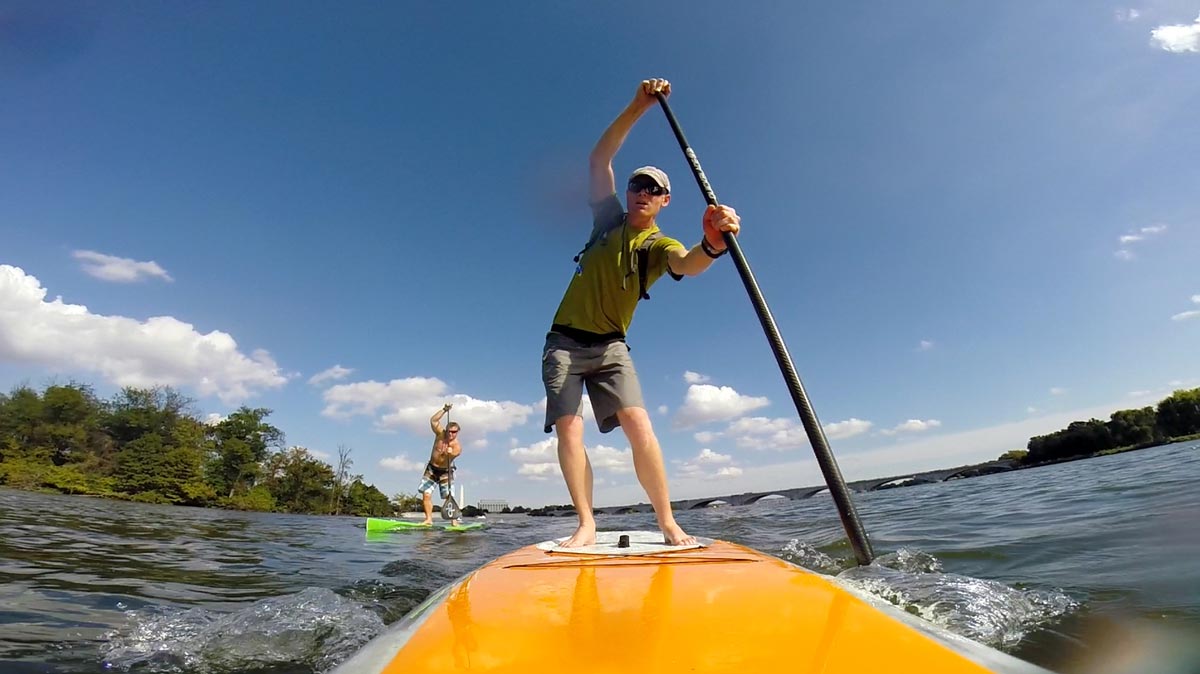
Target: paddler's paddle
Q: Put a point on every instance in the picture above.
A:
(816, 436)
(450, 509)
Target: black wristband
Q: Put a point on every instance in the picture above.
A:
(709, 250)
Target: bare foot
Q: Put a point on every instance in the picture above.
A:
(584, 536)
(427, 523)
(676, 536)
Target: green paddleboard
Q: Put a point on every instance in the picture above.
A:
(378, 524)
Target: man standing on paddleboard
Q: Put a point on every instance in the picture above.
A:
(625, 254)
(441, 461)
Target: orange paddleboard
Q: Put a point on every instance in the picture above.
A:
(720, 607)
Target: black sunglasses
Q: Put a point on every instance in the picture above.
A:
(642, 184)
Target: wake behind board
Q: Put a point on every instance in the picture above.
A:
(720, 607)
(380, 525)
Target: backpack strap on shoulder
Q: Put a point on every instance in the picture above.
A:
(597, 234)
(643, 263)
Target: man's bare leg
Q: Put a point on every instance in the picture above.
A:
(648, 464)
(577, 471)
(427, 501)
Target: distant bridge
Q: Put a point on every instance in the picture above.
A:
(799, 493)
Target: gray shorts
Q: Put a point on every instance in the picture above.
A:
(607, 371)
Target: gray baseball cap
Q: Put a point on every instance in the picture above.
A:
(658, 175)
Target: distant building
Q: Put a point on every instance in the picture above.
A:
(492, 505)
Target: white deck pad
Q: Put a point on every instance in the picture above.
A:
(640, 543)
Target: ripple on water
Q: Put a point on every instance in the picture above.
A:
(310, 630)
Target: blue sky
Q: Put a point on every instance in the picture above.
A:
(973, 222)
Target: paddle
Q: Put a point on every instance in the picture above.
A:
(450, 509)
(816, 435)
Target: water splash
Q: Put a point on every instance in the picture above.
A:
(982, 610)
(803, 554)
(311, 630)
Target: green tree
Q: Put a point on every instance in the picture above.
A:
(365, 500)
(1080, 438)
(299, 482)
(407, 503)
(70, 422)
(146, 444)
(21, 426)
(1017, 455)
(135, 412)
(1134, 427)
(237, 446)
(1179, 413)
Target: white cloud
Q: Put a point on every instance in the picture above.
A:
(1057, 391)
(318, 454)
(706, 403)
(763, 433)
(840, 430)
(913, 426)
(402, 463)
(118, 269)
(784, 434)
(540, 459)
(408, 403)
(705, 437)
(1178, 38)
(709, 464)
(332, 374)
(1031, 410)
(663, 410)
(696, 378)
(540, 471)
(1183, 316)
(707, 456)
(212, 419)
(611, 459)
(538, 452)
(925, 345)
(1127, 15)
(1141, 234)
(127, 352)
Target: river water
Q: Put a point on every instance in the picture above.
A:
(1054, 565)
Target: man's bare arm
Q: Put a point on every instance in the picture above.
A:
(602, 182)
(435, 420)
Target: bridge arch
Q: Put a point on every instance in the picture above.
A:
(765, 497)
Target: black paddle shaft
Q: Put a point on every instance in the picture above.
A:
(816, 435)
(450, 506)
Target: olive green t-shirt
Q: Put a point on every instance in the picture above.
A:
(603, 293)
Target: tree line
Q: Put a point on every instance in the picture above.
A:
(147, 444)
(1175, 418)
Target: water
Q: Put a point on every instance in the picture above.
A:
(1047, 564)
